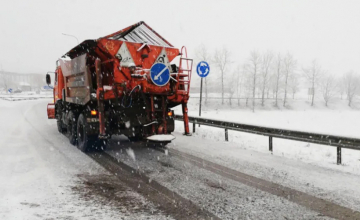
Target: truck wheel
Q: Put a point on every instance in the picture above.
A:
(84, 141)
(60, 125)
(72, 128)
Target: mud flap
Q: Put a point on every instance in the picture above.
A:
(51, 111)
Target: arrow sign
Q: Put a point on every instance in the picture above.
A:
(159, 74)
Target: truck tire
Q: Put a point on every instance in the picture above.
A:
(72, 128)
(84, 141)
(87, 142)
(60, 125)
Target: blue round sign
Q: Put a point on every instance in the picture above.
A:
(203, 69)
(159, 74)
(10, 90)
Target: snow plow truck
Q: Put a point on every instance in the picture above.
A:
(124, 83)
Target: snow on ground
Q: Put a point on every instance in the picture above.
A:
(42, 176)
(226, 198)
(333, 185)
(338, 119)
(39, 169)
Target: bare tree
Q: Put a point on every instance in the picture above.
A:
(294, 84)
(313, 74)
(202, 54)
(328, 88)
(272, 84)
(351, 84)
(265, 74)
(341, 88)
(289, 67)
(247, 82)
(222, 60)
(4, 79)
(253, 70)
(277, 78)
(235, 84)
(241, 86)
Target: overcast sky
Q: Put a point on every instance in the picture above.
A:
(32, 40)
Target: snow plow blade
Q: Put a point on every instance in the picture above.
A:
(51, 111)
(161, 138)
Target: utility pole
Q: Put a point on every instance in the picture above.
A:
(201, 85)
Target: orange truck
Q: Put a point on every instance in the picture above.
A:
(123, 83)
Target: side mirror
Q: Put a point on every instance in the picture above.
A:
(48, 79)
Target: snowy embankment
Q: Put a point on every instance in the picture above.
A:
(338, 119)
(309, 168)
(26, 96)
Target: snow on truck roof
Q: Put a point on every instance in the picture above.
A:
(137, 33)
(140, 33)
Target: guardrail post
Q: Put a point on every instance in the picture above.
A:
(338, 149)
(270, 144)
(226, 135)
(194, 127)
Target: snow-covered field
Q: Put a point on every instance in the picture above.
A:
(337, 119)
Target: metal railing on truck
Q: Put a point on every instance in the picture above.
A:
(316, 138)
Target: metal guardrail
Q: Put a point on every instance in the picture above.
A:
(20, 98)
(233, 98)
(316, 138)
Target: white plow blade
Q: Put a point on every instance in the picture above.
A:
(161, 137)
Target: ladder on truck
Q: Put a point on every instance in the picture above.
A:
(183, 77)
(183, 85)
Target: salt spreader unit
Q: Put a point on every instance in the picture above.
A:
(123, 83)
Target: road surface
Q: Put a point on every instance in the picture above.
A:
(42, 176)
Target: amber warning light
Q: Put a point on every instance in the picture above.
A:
(170, 113)
(93, 112)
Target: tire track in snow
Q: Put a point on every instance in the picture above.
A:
(168, 201)
(319, 205)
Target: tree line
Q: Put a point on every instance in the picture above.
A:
(274, 75)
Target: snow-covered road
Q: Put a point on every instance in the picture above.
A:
(42, 176)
